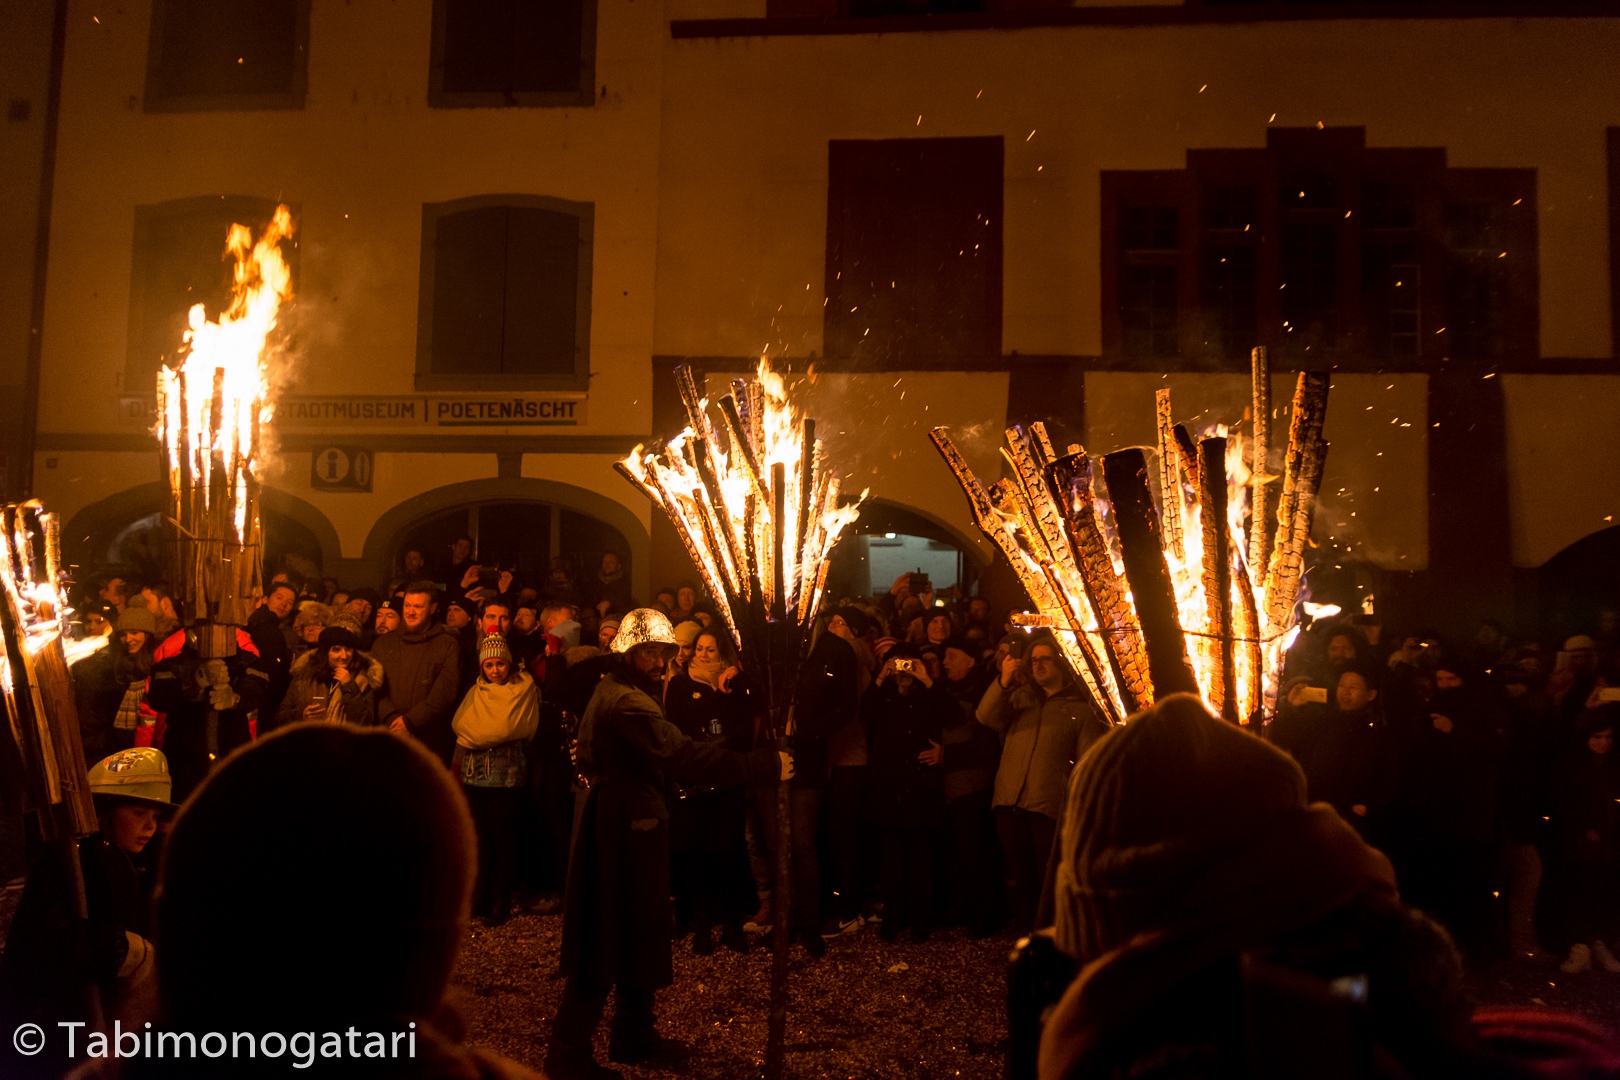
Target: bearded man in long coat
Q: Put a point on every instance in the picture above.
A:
(616, 922)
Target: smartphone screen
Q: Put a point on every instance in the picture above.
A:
(1317, 694)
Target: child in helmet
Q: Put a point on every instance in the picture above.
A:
(46, 966)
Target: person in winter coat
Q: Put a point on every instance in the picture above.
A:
(969, 755)
(51, 960)
(711, 701)
(611, 594)
(421, 669)
(616, 922)
(1046, 722)
(197, 696)
(1524, 793)
(828, 697)
(1345, 753)
(1585, 794)
(849, 840)
(493, 724)
(905, 714)
(110, 685)
(1443, 814)
(335, 682)
(1218, 925)
(267, 627)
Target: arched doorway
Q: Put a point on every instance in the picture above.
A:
(889, 539)
(123, 532)
(1578, 584)
(530, 538)
(523, 522)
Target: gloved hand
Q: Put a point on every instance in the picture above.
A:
(218, 679)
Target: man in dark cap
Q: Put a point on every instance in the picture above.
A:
(616, 922)
(363, 602)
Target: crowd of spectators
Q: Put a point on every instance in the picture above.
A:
(934, 743)
(941, 777)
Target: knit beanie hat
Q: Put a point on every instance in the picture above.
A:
(1156, 808)
(494, 647)
(344, 629)
(137, 618)
(319, 877)
(687, 632)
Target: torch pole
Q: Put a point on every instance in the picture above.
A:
(783, 894)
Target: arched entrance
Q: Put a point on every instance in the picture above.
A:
(1578, 584)
(518, 522)
(889, 539)
(123, 531)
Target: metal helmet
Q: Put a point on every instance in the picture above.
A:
(644, 626)
(140, 774)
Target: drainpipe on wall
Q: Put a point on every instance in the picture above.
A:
(22, 484)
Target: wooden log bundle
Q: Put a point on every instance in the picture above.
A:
(213, 535)
(1126, 639)
(41, 708)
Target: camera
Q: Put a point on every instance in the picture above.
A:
(905, 663)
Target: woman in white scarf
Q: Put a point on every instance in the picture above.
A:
(497, 717)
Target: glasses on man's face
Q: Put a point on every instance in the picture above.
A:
(1040, 660)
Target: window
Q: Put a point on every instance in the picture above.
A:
(914, 249)
(245, 54)
(179, 260)
(505, 294)
(1318, 247)
(495, 53)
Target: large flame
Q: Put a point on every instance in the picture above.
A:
(731, 538)
(223, 366)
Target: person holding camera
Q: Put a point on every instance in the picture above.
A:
(905, 712)
(1046, 722)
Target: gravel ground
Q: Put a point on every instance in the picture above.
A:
(868, 1010)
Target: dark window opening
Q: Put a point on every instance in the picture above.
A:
(1308, 292)
(1307, 189)
(245, 54)
(1228, 276)
(914, 249)
(495, 53)
(179, 260)
(1230, 206)
(507, 291)
(1320, 249)
(1149, 228)
(1148, 309)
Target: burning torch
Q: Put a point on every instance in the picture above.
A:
(757, 505)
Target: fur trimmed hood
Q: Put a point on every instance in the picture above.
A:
(369, 675)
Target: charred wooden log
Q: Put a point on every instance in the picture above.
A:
(1217, 575)
(1141, 545)
(1070, 479)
